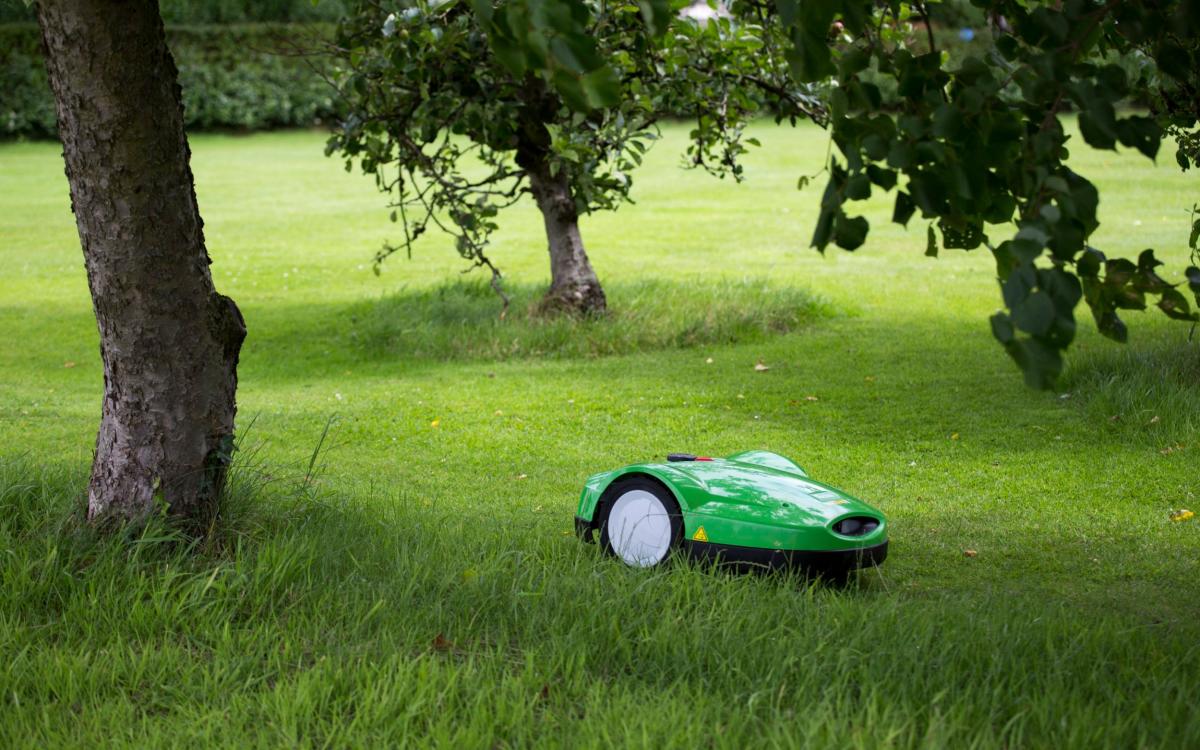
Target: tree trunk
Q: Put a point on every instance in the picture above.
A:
(574, 286)
(169, 342)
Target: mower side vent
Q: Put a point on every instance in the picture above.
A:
(856, 526)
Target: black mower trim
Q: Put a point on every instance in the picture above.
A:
(760, 558)
(584, 529)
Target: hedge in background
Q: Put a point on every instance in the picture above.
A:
(245, 77)
(26, 104)
(215, 11)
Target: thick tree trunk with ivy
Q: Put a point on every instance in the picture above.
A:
(169, 342)
(574, 286)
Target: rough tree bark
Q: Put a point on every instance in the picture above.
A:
(573, 284)
(169, 342)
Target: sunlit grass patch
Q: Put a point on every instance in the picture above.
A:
(462, 320)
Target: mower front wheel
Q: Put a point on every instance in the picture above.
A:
(640, 522)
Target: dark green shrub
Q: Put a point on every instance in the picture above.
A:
(244, 76)
(216, 11)
(26, 105)
(243, 11)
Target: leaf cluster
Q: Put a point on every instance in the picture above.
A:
(982, 143)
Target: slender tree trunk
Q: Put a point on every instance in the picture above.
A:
(169, 342)
(573, 284)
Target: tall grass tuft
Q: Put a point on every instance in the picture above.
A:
(462, 320)
(1142, 389)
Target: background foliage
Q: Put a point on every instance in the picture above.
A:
(571, 95)
(242, 76)
(215, 11)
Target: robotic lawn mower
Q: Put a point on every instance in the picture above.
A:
(755, 509)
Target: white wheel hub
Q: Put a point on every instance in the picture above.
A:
(639, 529)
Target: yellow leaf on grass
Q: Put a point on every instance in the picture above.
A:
(1183, 514)
(435, 423)
(760, 366)
(68, 364)
(969, 553)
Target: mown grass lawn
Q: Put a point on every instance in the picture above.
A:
(421, 585)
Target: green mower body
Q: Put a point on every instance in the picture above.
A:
(755, 509)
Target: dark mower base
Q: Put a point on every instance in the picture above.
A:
(834, 565)
(583, 529)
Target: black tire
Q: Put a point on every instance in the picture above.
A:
(622, 487)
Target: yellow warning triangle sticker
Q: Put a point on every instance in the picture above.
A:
(700, 536)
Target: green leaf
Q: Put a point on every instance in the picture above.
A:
(823, 230)
(1018, 285)
(850, 233)
(853, 60)
(1097, 131)
(1175, 306)
(1193, 277)
(858, 187)
(788, 10)
(904, 208)
(1173, 59)
(1089, 263)
(902, 155)
(571, 90)
(960, 233)
(483, 10)
(1111, 325)
(1147, 262)
(1142, 133)
(510, 54)
(884, 178)
(875, 146)
(809, 55)
(1035, 314)
(575, 53)
(602, 87)
(656, 14)
(1002, 328)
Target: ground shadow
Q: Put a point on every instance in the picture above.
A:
(466, 320)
